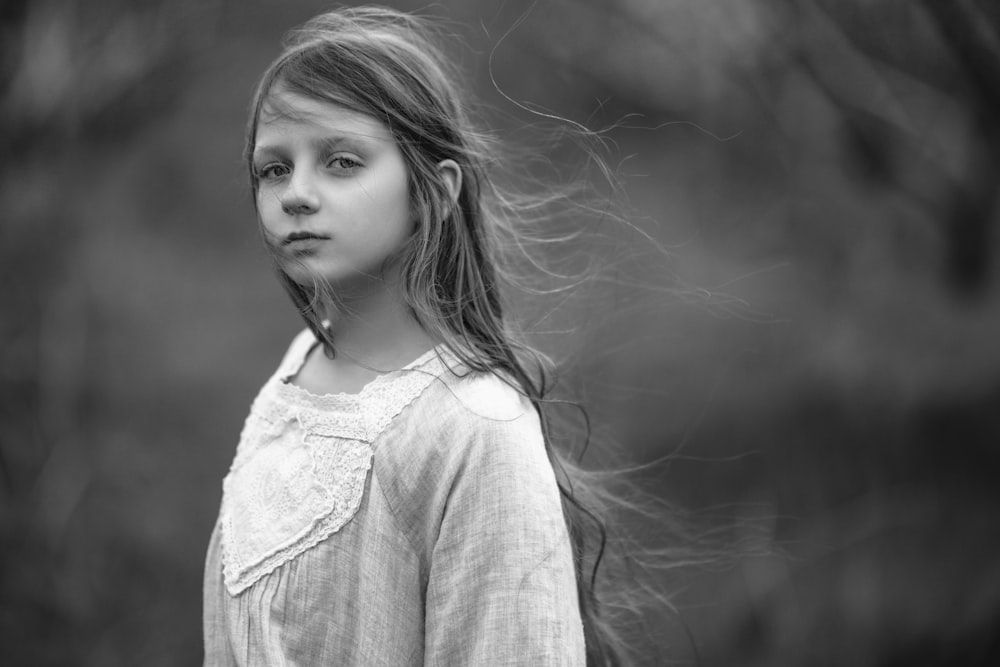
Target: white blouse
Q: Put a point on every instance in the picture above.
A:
(417, 522)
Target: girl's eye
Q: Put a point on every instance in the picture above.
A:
(343, 163)
(272, 171)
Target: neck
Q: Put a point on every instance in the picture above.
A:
(376, 330)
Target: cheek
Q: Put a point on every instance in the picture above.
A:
(399, 196)
(269, 214)
(400, 212)
(268, 205)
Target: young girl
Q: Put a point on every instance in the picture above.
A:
(394, 498)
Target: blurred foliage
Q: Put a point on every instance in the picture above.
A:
(824, 172)
(78, 84)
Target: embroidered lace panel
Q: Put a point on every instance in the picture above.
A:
(301, 467)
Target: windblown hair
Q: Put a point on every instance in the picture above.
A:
(455, 267)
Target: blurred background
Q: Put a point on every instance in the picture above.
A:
(815, 353)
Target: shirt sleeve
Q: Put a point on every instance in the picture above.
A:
(502, 587)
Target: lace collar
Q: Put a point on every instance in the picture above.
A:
(361, 416)
(302, 463)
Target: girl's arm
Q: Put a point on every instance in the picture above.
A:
(502, 587)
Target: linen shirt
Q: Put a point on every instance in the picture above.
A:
(417, 522)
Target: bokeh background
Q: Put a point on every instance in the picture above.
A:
(812, 358)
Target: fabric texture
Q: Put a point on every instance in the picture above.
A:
(417, 522)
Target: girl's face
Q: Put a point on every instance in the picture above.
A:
(332, 191)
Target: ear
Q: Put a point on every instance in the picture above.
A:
(451, 174)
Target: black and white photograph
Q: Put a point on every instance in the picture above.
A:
(500, 333)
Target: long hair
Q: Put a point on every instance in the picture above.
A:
(455, 268)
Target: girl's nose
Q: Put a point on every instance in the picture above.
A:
(299, 198)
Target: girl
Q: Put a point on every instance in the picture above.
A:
(394, 498)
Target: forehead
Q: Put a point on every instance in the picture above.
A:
(285, 113)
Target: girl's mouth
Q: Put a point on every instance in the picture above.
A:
(302, 236)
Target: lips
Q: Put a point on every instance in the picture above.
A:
(303, 236)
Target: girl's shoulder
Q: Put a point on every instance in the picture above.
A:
(465, 417)
(480, 395)
(460, 399)
(470, 442)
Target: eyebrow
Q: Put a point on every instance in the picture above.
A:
(323, 144)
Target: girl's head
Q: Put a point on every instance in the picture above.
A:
(381, 71)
